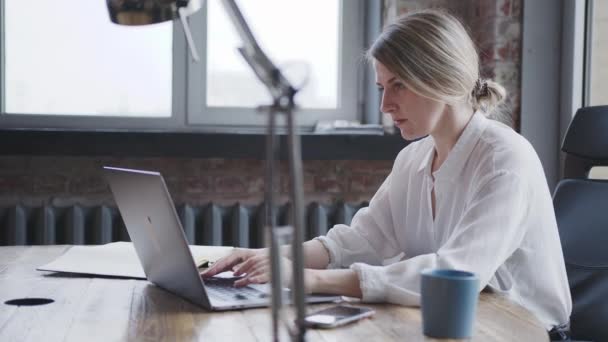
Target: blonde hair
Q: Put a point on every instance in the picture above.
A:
(433, 54)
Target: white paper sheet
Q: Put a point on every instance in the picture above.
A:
(119, 259)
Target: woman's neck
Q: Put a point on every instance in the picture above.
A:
(449, 128)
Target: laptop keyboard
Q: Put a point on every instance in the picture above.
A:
(224, 289)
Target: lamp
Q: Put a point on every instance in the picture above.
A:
(146, 12)
(143, 12)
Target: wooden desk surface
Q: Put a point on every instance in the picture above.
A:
(106, 309)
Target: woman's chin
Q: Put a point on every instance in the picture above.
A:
(408, 135)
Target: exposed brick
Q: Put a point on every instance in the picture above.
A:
(237, 184)
(499, 8)
(197, 185)
(62, 165)
(15, 185)
(505, 51)
(206, 165)
(316, 165)
(506, 73)
(88, 184)
(405, 6)
(308, 182)
(363, 182)
(380, 166)
(166, 166)
(49, 185)
(330, 184)
(504, 7)
(175, 185)
(255, 185)
(230, 184)
(516, 9)
(79, 179)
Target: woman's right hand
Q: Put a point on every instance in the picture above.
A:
(231, 261)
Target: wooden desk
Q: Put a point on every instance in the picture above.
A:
(105, 309)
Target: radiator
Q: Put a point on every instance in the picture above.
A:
(211, 224)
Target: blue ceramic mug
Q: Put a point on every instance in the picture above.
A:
(448, 302)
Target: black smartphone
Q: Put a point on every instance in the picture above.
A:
(337, 315)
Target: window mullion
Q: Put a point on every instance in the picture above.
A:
(196, 71)
(352, 73)
(587, 55)
(180, 76)
(371, 96)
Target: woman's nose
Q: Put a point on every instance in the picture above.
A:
(387, 105)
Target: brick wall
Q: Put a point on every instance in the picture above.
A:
(494, 24)
(68, 180)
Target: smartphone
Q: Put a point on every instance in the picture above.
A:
(337, 315)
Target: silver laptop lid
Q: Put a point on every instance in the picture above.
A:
(154, 227)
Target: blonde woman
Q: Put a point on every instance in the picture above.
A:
(471, 195)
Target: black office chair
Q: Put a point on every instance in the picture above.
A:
(581, 208)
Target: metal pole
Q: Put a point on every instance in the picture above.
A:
(297, 195)
(283, 94)
(271, 152)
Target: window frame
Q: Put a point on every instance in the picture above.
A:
(247, 119)
(106, 122)
(2, 57)
(574, 61)
(186, 92)
(588, 47)
(552, 76)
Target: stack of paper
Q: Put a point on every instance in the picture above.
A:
(119, 259)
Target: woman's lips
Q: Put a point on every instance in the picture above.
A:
(399, 121)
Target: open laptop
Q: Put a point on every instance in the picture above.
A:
(156, 232)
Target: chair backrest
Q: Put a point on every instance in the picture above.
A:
(581, 209)
(586, 142)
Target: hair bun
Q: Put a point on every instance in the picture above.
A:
(487, 94)
(480, 89)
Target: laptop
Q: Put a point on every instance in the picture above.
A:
(156, 232)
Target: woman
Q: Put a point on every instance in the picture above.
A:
(471, 195)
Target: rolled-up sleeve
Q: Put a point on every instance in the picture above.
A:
(490, 230)
(370, 238)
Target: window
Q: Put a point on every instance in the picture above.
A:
(65, 65)
(331, 49)
(94, 69)
(229, 81)
(597, 69)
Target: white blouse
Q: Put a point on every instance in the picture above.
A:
(494, 217)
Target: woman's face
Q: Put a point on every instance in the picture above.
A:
(414, 115)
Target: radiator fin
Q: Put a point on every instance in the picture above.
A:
(212, 224)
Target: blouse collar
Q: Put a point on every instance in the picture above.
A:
(459, 154)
